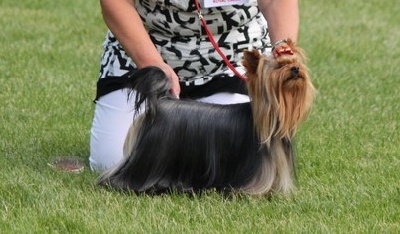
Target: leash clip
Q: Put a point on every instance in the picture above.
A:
(199, 14)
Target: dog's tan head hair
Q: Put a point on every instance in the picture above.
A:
(281, 91)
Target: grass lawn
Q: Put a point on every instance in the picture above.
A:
(348, 151)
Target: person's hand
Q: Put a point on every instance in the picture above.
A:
(175, 88)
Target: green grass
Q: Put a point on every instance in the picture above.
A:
(348, 150)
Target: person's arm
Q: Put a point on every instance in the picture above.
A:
(123, 20)
(283, 19)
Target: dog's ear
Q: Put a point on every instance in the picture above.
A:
(251, 60)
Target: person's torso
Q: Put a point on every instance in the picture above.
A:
(180, 38)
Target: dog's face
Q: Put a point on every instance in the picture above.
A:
(281, 91)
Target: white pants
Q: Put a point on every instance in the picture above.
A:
(114, 115)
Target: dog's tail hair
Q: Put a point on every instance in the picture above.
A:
(148, 85)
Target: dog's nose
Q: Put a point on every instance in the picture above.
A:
(295, 70)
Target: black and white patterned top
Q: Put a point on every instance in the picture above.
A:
(176, 31)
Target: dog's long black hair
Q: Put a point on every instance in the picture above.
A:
(186, 145)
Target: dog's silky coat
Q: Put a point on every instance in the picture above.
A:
(186, 145)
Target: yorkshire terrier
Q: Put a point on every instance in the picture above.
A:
(189, 146)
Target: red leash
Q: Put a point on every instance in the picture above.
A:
(215, 44)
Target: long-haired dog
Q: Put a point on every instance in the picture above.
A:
(185, 145)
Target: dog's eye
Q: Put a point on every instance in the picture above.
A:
(295, 69)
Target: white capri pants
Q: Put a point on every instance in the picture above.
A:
(113, 116)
